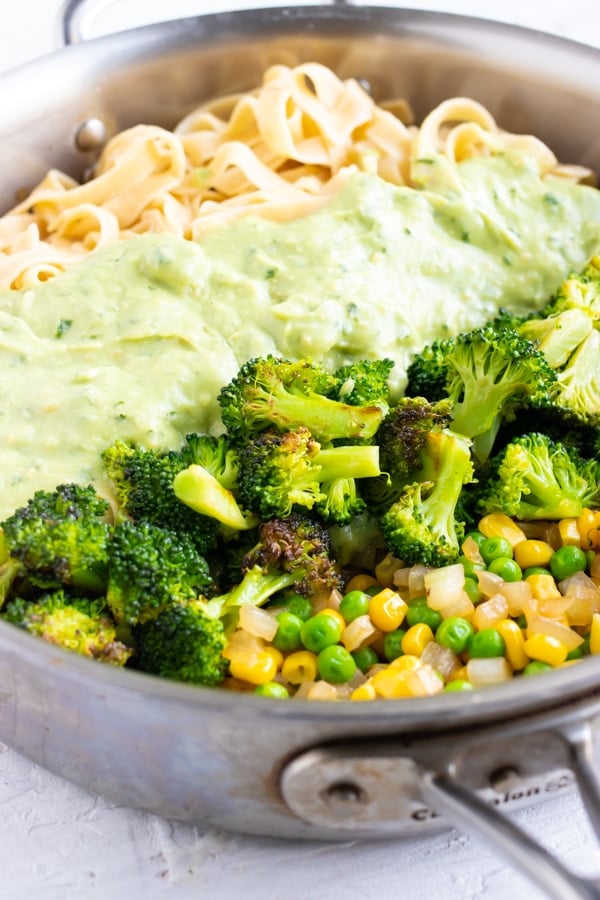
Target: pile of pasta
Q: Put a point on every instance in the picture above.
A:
(279, 151)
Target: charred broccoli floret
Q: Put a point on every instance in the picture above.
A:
(143, 482)
(534, 477)
(421, 526)
(490, 372)
(280, 473)
(269, 392)
(149, 567)
(77, 624)
(60, 537)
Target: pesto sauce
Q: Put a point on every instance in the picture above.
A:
(136, 341)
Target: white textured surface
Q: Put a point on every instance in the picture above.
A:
(60, 843)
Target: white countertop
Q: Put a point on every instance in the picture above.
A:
(58, 842)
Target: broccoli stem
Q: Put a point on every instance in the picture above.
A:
(325, 418)
(255, 588)
(201, 491)
(361, 461)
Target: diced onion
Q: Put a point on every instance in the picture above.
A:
(444, 586)
(489, 583)
(490, 670)
(537, 624)
(259, 622)
(442, 659)
(491, 611)
(243, 643)
(517, 594)
(359, 633)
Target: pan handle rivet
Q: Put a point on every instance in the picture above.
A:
(344, 792)
(91, 135)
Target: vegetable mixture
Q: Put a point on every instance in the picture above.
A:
(333, 544)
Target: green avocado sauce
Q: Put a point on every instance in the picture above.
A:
(136, 341)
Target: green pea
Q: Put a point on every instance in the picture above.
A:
(455, 634)
(470, 567)
(536, 666)
(320, 631)
(472, 590)
(300, 606)
(535, 570)
(365, 658)
(272, 689)
(575, 653)
(418, 613)
(487, 643)
(335, 664)
(566, 561)
(521, 621)
(392, 644)
(354, 604)
(459, 684)
(287, 637)
(495, 548)
(507, 568)
(373, 589)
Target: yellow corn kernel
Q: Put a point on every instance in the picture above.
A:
(533, 553)
(588, 526)
(500, 525)
(406, 663)
(299, 667)
(365, 691)
(543, 587)
(257, 668)
(545, 648)
(387, 610)
(569, 532)
(416, 639)
(276, 654)
(361, 582)
(595, 634)
(391, 684)
(334, 615)
(515, 643)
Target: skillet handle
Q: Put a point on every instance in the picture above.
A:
(77, 17)
(472, 815)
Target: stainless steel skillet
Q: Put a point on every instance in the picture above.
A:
(244, 763)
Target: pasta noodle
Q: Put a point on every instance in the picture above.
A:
(279, 151)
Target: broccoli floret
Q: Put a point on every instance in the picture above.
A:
(143, 482)
(427, 373)
(272, 393)
(421, 526)
(281, 472)
(364, 383)
(578, 291)
(215, 454)
(183, 643)
(297, 545)
(60, 537)
(10, 572)
(401, 438)
(534, 477)
(77, 624)
(150, 567)
(186, 639)
(491, 372)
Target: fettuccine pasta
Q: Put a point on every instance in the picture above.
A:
(280, 151)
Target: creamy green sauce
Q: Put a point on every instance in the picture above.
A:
(135, 341)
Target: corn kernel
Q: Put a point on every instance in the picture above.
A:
(361, 582)
(595, 634)
(569, 532)
(276, 654)
(416, 639)
(405, 663)
(459, 674)
(588, 525)
(384, 571)
(365, 691)
(391, 684)
(543, 587)
(546, 648)
(387, 610)
(515, 643)
(257, 668)
(500, 525)
(299, 667)
(533, 553)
